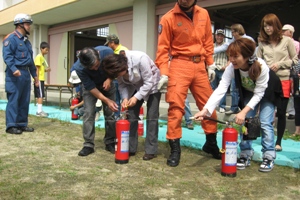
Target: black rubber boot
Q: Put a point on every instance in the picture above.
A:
(211, 146)
(174, 158)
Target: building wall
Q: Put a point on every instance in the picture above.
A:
(62, 52)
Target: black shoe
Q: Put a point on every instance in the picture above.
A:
(85, 151)
(26, 129)
(213, 150)
(211, 146)
(149, 156)
(14, 130)
(190, 126)
(110, 148)
(174, 157)
(131, 153)
(291, 117)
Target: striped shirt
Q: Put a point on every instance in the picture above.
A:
(220, 58)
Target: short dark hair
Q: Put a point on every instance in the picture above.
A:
(114, 64)
(44, 45)
(88, 57)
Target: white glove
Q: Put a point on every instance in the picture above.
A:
(163, 83)
(211, 72)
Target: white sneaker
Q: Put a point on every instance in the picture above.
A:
(242, 163)
(222, 110)
(42, 114)
(266, 165)
(97, 116)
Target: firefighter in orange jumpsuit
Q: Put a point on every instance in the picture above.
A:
(185, 57)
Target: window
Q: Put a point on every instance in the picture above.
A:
(102, 32)
(228, 33)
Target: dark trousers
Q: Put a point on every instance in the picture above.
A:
(18, 97)
(89, 117)
(281, 123)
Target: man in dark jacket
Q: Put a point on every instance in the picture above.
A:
(96, 86)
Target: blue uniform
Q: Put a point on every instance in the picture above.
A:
(91, 79)
(17, 55)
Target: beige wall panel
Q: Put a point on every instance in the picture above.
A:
(58, 59)
(124, 31)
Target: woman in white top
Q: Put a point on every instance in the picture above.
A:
(254, 74)
(138, 77)
(279, 53)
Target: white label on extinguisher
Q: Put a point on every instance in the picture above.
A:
(231, 153)
(124, 141)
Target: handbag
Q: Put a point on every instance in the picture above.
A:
(253, 128)
(253, 123)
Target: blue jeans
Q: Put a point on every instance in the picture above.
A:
(187, 112)
(234, 91)
(215, 84)
(266, 117)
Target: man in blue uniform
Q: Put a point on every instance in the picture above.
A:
(95, 85)
(17, 55)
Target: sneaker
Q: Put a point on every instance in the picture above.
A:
(266, 165)
(222, 110)
(97, 116)
(41, 114)
(242, 163)
(190, 126)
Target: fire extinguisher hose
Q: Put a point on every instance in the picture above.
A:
(212, 119)
(215, 120)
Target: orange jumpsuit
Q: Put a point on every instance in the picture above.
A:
(180, 37)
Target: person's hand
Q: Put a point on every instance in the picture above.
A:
(72, 108)
(36, 82)
(48, 69)
(200, 115)
(106, 84)
(163, 83)
(274, 67)
(17, 73)
(124, 103)
(240, 118)
(132, 101)
(112, 105)
(211, 72)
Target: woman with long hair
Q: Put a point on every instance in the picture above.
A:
(279, 53)
(258, 91)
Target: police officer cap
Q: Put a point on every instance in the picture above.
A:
(22, 18)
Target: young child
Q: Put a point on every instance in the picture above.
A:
(41, 67)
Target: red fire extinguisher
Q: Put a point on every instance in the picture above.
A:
(229, 151)
(122, 140)
(74, 102)
(141, 122)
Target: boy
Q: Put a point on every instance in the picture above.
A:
(41, 67)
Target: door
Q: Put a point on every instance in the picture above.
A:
(59, 59)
